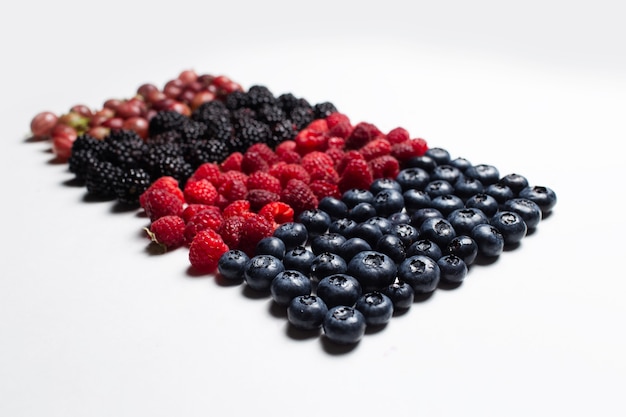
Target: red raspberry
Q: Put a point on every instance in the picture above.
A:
(278, 212)
(318, 125)
(232, 162)
(221, 202)
(254, 229)
(200, 192)
(233, 175)
(290, 157)
(355, 175)
(362, 133)
(309, 140)
(377, 147)
(167, 231)
(236, 208)
(299, 196)
(336, 154)
(336, 142)
(408, 149)
(252, 162)
(259, 198)
(263, 181)
(159, 203)
(193, 209)
(266, 152)
(323, 189)
(205, 250)
(207, 219)
(288, 172)
(336, 118)
(385, 166)
(165, 183)
(347, 158)
(231, 229)
(341, 130)
(285, 146)
(316, 160)
(209, 171)
(329, 174)
(398, 135)
(233, 190)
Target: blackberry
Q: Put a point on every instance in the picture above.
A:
(253, 131)
(193, 131)
(86, 150)
(287, 102)
(101, 178)
(237, 100)
(259, 95)
(219, 127)
(164, 121)
(301, 116)
(156, 153)
(211, 150)
(270, 113)
(171, 136)
(282, 131)
(130, 185)
(321, 110)
(124, 148)
(177, 167)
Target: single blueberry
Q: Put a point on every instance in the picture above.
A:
(383, 224)
(392, 246)
(412, 179)
(387, 202)
(464, 247)
(376, 307)
(515, 182)
(527, 209)
(420, 215)
(438, 230)
(292, 234)
(424, 247)
(446, 204)
(289, 284)
(354, 196)
(380, 184)
(511, 225)
(544, 197)
(465, 187)
(465, 219)
(306, 312)
(328, 242)
(453, 269)
(461, 163)
(401, 295)
(352, 246)
(484, 202)
(339, 289)
(343, 226)
(373, 269)
(316, 221)
(489, 240)
(271, 245)
(362, 211)
(335, 208)
(438, 187)
(415, 200)
(440, 155)
(487, 174)
(447, 173)
(406, 232)
(326, 264)
(261, 270)
(344, 325)
(299, 258)
(232, 264)
(421, 273)
(500, 192)
(424, 162)
(399, 218)
(368, 232)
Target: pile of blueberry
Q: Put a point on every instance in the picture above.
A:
(352, 262)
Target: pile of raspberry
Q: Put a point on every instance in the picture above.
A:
(236, 203)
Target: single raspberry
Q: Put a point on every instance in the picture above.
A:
(288, 172)
(209, 171)
(265, 151)
(254, 229)
(200, 192)
(362, 134)
(336, 142)
(258, 198)
(329, 174)
(355, 175)
(377, 147)
(348, 157)
(252, 162)
(205, 250)
(193, 209)
(165, 183)
(341, 130)
(278, 212)
(408, 149)
(318, 125)
(221, 202)
(299, 196)
(167, 231)
(385, 166)
(398, 135)
(233, 190)
(290, 157)
(207, 219)
(323, 189)
(159, 203)
(316, 160)
(263, 181)
(231, 229)
(308, 140)
(285, 146)
(336, 118)
(233, 175)
(336, 154)
(232, 162)
(236, 208)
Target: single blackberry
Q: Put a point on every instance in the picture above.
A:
(282, 131)
(321, 110)
(177, 167)
(271, 113)
(219, 127)
(236, 144)
(237, 100)
(301, 116)
(242, 115)
(210, 109)
(254, 131)
(259, 95)
(130, 185)
(124, 148)
(164, 121)
(86, 150)
(192, 131)
(163, 138)
(209, 150)
(85, 141)
(101, 178)
(155, 154)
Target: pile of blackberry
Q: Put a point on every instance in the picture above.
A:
(354, 261)
(123, 165)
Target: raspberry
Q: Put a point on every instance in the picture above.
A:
(398, 135)
(252, 162)
(288, 172)
(167, 231)
(408, 149)
(209, 171)
(347, 158)
(336, 154)
(285, 146)
(205, 250)
(233, 175)
(233, 162)
(377, 147)
(299, 196)
(341, 130)
(329, 174)
(231, 229)
(308, 140)
(355, 175)
(193, 209)
(336, 118)
(385, 166)
(258, 198)
(166, 183)
(200, 192)
(254, 229)
(278, 212)
(318, 125)
(233, 190)
(236, 208)
(336, 142)
(265, 151)
(362, 134)
(290, 157)
(263, 181)
(159, 203)
(323, 189)
(207, 219)
(316, 160)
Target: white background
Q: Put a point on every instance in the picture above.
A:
(92, 324)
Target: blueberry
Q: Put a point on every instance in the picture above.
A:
(329, 242)
(335, 208)
(406, 232)
(306, 312)
(392, 246)
(465, 219)
(376, 307)
(343, 226)
(446, 204)
(380, 184)
(421, 273)
(299, 258)
(261, 270)
(447, 173)
(339, 289)
(465, 187)
(271, 245)
(489, 240)
(424, 162)
(464, 247)
(500, 192)
(453, 269)
(511, 225)
(544, 197)
(326, 264)
(416, 199)
(515, 182)
(292, 234)
(355, 196)
(401, 295)
(440, 155)
(484, 202)
(373, 269)
(383, 224)
(527, 209)
(316, 221)
(352, 246)
(289, 284)
(487, 174)
(387, 202)
(232, 264)
(412, 179)
(437, 230)
(344, 325)
(425, 247)
(362, 211)
(368, 232)
(399, 218)
(461, 163)
(420, 215)
(438, 187)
